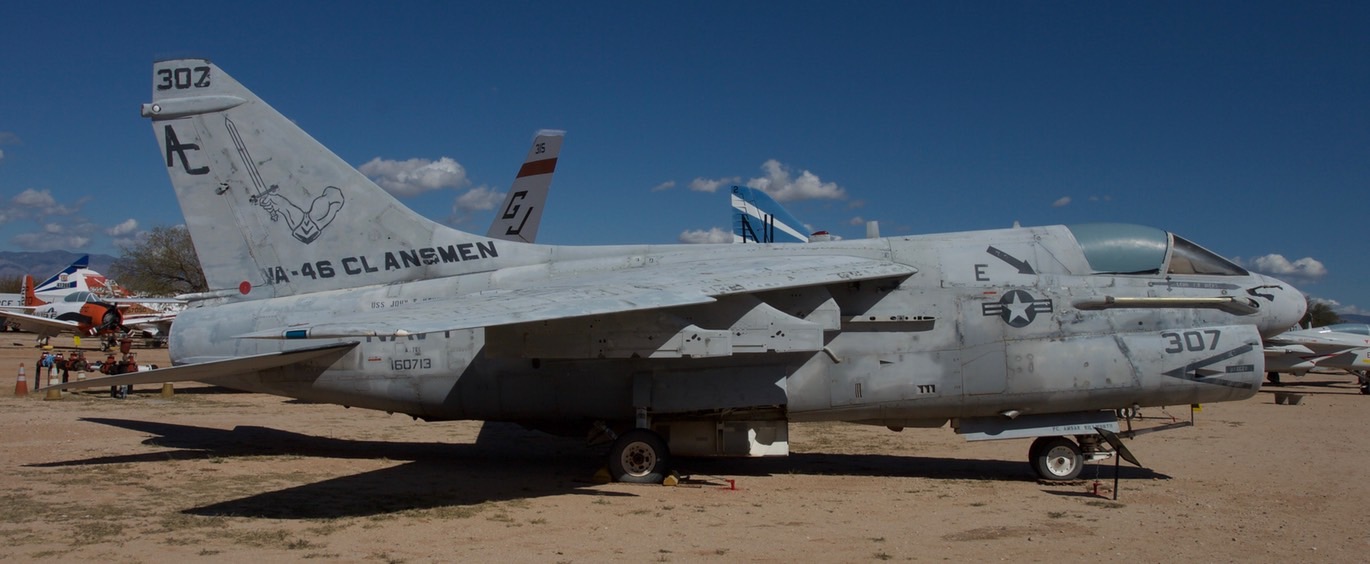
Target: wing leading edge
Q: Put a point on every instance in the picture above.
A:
(666, 286)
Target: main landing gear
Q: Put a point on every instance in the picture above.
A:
(1059, 458)
(639, 456)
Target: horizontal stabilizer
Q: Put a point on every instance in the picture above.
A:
(208, 371)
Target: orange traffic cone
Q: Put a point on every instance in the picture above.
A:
(21, 386)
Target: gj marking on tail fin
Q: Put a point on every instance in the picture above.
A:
(521, 212)
(246, 177)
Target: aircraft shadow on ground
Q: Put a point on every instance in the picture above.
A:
(895, 466)
(506, 462)
(1317, 388)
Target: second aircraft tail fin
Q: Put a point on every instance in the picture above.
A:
(521, 213)
(758, 218)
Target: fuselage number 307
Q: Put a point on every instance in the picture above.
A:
(1192, 341)
(182, 78)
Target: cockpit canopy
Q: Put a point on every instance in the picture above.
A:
(1354, 328)
(79, 296)
(1117, 248)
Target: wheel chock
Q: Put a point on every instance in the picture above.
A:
(602, 476)
(671, 480)
(168, 390)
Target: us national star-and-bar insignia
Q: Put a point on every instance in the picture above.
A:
(1017, 308)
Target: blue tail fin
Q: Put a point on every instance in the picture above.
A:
(65, 278)
(759, 219)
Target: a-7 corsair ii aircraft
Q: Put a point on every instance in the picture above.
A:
(332, 291)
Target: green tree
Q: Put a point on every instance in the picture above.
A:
(163, 263)
(1319, 314)
(11, 284)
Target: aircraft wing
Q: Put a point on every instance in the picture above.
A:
(689, 283)
(38, 324)
(156, 323)
(208, 371)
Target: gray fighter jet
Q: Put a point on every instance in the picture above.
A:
(330, 290)
(1343, 345)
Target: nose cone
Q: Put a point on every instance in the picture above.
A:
(1287, 306)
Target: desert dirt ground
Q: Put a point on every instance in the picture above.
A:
(213, 474)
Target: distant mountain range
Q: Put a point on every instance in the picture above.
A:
(42, 264)
(1353, 318)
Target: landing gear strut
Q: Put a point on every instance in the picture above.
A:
(1273, 378)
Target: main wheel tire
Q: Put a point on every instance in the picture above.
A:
(640, 457)
(1056, 458)
(1273, 378)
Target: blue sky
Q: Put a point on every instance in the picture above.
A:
(1244, 126)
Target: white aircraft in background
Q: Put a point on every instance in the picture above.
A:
(1344, 345)
(86, 314)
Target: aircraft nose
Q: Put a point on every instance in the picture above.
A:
(1287, 305)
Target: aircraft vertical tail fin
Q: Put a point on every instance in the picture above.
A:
(521, 213)
(273, 212)
(30, 298)
(757, 218)
(65, 276)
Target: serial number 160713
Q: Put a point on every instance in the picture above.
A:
(411, 364)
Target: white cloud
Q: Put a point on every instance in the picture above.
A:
(667, 185)
(35, 198)
(858, 220)
(711, 186)
(480, 198)
(55, 236)
(40, 204)
(1061, 202)
(128, 226)
(2, 155)
(854, 204)
(415, 176)
(779, 184)
(1307, 268)
(713, 235)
